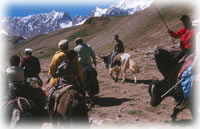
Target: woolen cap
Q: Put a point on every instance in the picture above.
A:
(28, 50)
(78, 40)
(62, 44)
(185, 18)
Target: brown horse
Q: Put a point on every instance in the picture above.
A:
(70, 107)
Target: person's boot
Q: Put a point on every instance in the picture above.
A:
(48, 104)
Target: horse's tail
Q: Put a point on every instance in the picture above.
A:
(133, 66)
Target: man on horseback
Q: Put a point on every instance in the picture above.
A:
(15, 77)
(187, 36)
(31, 66)
(85, 53)
(17, 86)
(57, 60)
(119, 48)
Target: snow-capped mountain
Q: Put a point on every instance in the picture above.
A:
(37, 24)
(78, 20)
(124, 7)
(48, 22)
(128, 4)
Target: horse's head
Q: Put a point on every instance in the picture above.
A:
(165, 61)
(155, 91)
(106, 59)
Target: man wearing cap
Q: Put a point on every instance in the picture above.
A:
(86, 57)
(57, 59)
(85, 53)
(187, 36)
(31, 66)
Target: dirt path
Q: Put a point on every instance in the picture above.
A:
(127, 103)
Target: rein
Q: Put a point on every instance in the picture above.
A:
(19, 103)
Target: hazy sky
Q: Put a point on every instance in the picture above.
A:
(22, 8)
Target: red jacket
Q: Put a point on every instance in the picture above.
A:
(186, 35)
(31, 66)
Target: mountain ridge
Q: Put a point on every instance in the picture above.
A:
(142, 29)
(44, 23)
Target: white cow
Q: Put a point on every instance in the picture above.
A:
(121, 62)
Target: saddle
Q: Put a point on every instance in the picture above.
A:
(59, 92)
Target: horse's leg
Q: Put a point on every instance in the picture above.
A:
(179, 107)
(135, 79)
(117, 75)
(111, 73)
(123, 75)
(15, 117)
(91, 101)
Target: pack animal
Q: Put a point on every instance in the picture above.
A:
(91, 83)
(121, 62)
(69, 106)
(158, 88)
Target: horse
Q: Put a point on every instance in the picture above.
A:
(91, 84)
(69, 106)
(69, 101)
(165, 62)
(21, 111)
(121, 62)
(158, 89)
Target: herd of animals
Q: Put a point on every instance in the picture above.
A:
(72, 109)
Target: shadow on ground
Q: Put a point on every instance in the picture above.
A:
(139, 81)
(185, 122)
(109, 101)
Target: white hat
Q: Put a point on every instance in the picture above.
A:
(28, 50)
(63, 43)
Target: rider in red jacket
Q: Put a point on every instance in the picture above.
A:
(187, 36)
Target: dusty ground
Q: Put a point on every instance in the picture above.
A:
(128, 104)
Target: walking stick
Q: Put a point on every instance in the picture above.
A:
(172, 87)
(164, 23)
(175, 85)
(20, 55)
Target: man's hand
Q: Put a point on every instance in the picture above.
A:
(170, 32)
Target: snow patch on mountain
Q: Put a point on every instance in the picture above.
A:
(44, 23)
(3, 32)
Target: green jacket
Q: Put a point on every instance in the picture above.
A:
(85, 53)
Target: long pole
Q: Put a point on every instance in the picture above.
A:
(164, 22)
(172, 87)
